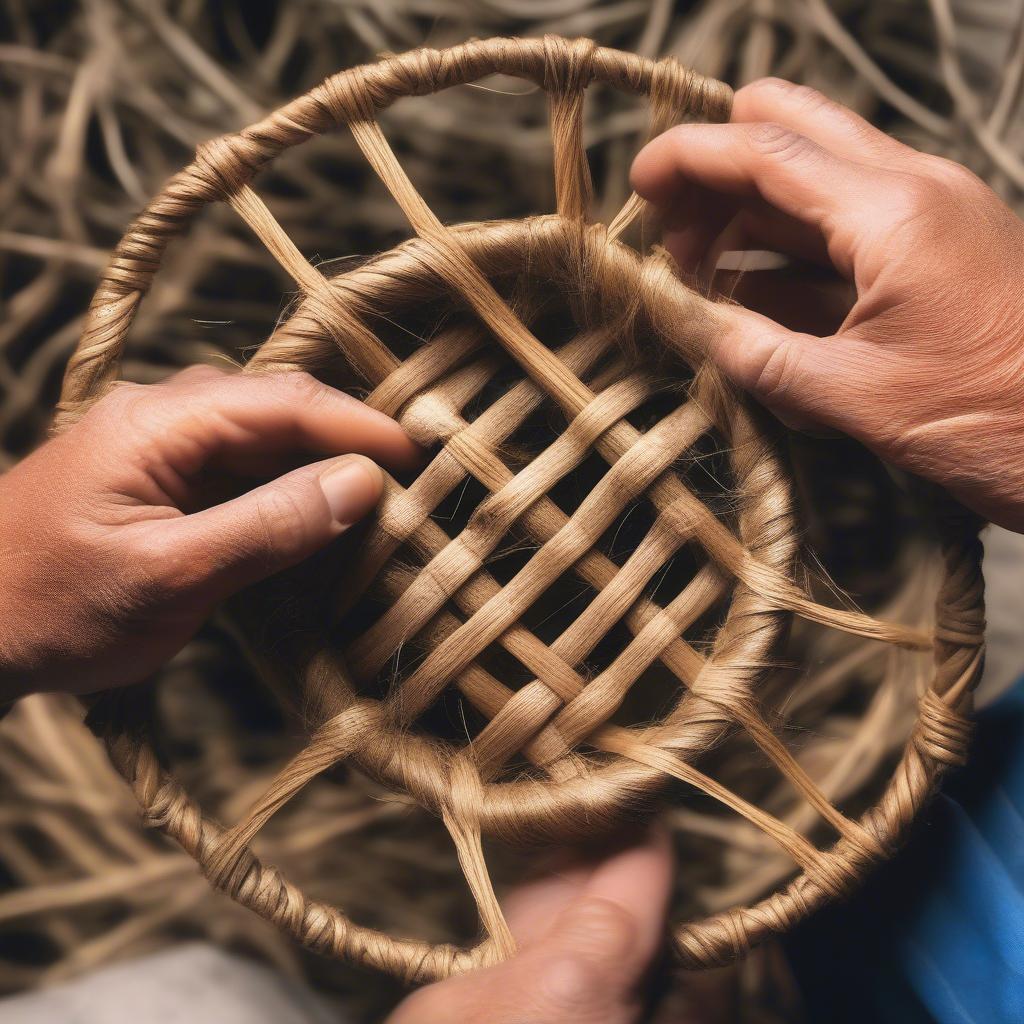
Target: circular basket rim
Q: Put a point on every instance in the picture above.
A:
(623, 781)
(224, 166)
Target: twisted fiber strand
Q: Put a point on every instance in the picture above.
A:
(559, 710)
(413, 516)
(352, 106)
(940, 739)
(495, 516)
(434, 417)
(566, 389)
(626, 478)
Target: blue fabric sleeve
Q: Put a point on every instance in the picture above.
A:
(938, 935)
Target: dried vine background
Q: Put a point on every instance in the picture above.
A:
(100, 100)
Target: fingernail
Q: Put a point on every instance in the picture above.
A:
(352, 487)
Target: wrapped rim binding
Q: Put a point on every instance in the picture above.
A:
(488, 597)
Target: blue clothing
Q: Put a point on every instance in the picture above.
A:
(938, 934)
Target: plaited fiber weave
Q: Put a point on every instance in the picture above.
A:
(598, 556)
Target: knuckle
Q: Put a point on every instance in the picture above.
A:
(423, 1006)
(776, 88)
(126, 407)
(916, 196)
(156, 567)
(770, 84)
(774, 378)
(122, 395)
(585, 975)
(809, 98)
(602, 930)
(283, 524)
(290, 389)
(612, 926)
(298, 385)
(777, 142)
(949, 174)
(196, 373)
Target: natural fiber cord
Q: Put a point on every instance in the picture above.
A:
(555, 758)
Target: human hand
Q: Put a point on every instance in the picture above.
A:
(586, 938)
(111, 554)
(927, 369)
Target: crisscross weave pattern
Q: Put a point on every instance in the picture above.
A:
(592, 672)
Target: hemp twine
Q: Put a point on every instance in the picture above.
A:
(586, 772)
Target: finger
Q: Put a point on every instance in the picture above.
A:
(224, 548)
(708, 225)
(591, 962)
(198, 372)
(811, 113)
(696, 217)
(238, 419)
(772, 164)
(699, 214)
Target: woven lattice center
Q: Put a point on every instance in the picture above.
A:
(548, 594)
(508, 589)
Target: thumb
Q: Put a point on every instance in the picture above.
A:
(805, 380)
(586, 967)
(600, 946)
(278, 524)
(588, 964)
